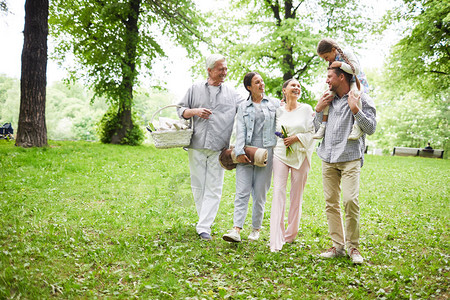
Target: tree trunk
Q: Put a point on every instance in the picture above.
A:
(129, 73)
(288, 61)
(32, 130)
(125, 123)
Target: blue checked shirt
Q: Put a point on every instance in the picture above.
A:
(335, 147)
(213, 133)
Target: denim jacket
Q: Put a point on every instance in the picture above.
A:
(245, 120)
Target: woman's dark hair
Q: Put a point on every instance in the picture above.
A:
(248, 79)
(326, 45)
(285, 84)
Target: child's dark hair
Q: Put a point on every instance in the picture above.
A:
(326, 45)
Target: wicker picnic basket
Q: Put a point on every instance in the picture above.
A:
(165, 139)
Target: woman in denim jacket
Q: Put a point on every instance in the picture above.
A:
(255, 126)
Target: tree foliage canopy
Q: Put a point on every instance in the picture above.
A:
(413, 107)
(421, 60)
(279, 38)
(94, 34)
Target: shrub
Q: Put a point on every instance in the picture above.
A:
(109, 124)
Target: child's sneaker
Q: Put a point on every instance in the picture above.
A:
(321, 132)
(356, 132)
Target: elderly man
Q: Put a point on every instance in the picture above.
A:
(213, 106)
(342, 160)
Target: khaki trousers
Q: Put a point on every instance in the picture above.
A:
(347, 174)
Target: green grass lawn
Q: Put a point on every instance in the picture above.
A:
(86, 220)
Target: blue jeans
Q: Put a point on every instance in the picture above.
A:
(254, 181)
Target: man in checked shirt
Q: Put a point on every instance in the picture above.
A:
(342, 160)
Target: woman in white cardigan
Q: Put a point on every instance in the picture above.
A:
(297, 119)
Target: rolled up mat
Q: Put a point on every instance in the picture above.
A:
(257, 156)
(225, 159)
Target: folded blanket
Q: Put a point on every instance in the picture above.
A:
(170, 124)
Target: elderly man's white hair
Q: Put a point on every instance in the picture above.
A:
(212, 59)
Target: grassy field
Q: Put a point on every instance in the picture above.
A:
(86, 220)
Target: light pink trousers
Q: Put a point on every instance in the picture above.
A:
(278, 234)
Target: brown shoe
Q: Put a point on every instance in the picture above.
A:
(333, 252)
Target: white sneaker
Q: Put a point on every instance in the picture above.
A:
(356, 132)
(254, 235)
(321, 132)
(232, 236)
(355, 256)
(333, 252)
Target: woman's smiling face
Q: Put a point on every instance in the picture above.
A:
(257, 86)
(293, 89)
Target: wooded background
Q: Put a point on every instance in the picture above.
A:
(113, 45)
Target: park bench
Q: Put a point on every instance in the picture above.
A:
(406, 151)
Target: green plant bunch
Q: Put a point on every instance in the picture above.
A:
(109, 123)
(86, 220)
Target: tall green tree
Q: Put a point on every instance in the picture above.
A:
(32, 130)
(112, 41)
(414, 98)
(278, 38)
(420, 61)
